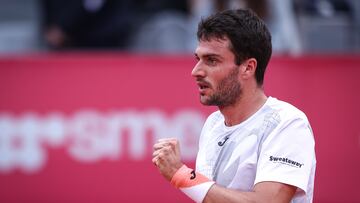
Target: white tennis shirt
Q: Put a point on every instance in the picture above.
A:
(274, 144)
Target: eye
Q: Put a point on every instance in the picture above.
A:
(211, 61)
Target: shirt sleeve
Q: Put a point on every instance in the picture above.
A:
(287, 155)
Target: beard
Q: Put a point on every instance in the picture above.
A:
(227, 92)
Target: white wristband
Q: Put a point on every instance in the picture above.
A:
(198, 192)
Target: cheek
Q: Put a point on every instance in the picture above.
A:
(217, 78)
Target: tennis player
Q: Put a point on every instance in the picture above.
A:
(255, 148)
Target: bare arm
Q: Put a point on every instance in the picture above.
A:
(166, 157)
(267, 192)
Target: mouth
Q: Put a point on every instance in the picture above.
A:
(203, 86)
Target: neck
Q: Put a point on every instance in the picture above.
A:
(248, 104)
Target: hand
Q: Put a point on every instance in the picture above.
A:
(166, 157)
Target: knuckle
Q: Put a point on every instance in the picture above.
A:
(168, 149)
(175, 142)
(172, 143)
(160, 155)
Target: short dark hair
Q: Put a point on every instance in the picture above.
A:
(247, 33)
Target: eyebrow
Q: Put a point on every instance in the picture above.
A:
(209, 55)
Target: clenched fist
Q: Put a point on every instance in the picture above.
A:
(166, 157)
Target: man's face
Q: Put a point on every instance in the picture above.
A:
(216, 73)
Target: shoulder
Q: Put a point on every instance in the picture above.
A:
(286, 111)
(293, 125)
(291, 122)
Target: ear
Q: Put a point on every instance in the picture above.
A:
(248, 68)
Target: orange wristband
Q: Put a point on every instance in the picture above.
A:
(187, 177)
(193, 184)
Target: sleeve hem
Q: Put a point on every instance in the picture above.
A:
(284, 180)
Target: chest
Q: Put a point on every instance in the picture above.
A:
(230, 159)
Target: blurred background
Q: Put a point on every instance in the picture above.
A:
(87, 87)
(297, 26)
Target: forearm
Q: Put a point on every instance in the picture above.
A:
(202, 189)
(220, 194)
(264, 192)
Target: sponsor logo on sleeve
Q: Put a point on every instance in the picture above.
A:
(287, 161)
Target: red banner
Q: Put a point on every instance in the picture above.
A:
(80, 127)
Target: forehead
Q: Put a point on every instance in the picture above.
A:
(213, 46)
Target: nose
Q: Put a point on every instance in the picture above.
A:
(198, 71)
